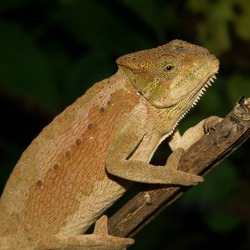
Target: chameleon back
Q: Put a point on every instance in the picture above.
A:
(62, 193)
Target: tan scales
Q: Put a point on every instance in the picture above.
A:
(86, 158)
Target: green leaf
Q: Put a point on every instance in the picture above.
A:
(213, 29)
(242, 19)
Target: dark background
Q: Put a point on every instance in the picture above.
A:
(51, 51)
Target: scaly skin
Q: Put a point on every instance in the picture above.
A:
(86, 158)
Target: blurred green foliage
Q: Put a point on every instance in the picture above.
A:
(51, 51)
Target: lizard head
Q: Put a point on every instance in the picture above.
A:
(175, 73)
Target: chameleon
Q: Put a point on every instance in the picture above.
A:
(92, 152)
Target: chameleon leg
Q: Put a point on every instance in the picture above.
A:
(99, 240)
(193, 134)
(137, 170)
(180, 176)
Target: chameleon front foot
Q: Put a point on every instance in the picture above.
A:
(177, 176)
(99, 240)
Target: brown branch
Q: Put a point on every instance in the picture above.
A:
(201, 158)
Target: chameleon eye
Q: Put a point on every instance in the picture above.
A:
(169, 67)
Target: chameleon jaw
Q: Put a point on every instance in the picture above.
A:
(196, 100)
(202, 91)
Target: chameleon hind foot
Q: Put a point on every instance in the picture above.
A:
(99, 240)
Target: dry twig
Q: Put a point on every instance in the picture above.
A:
(201, 158)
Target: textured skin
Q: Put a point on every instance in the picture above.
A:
(66, 178)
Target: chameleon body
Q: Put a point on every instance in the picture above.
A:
(86, 158)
